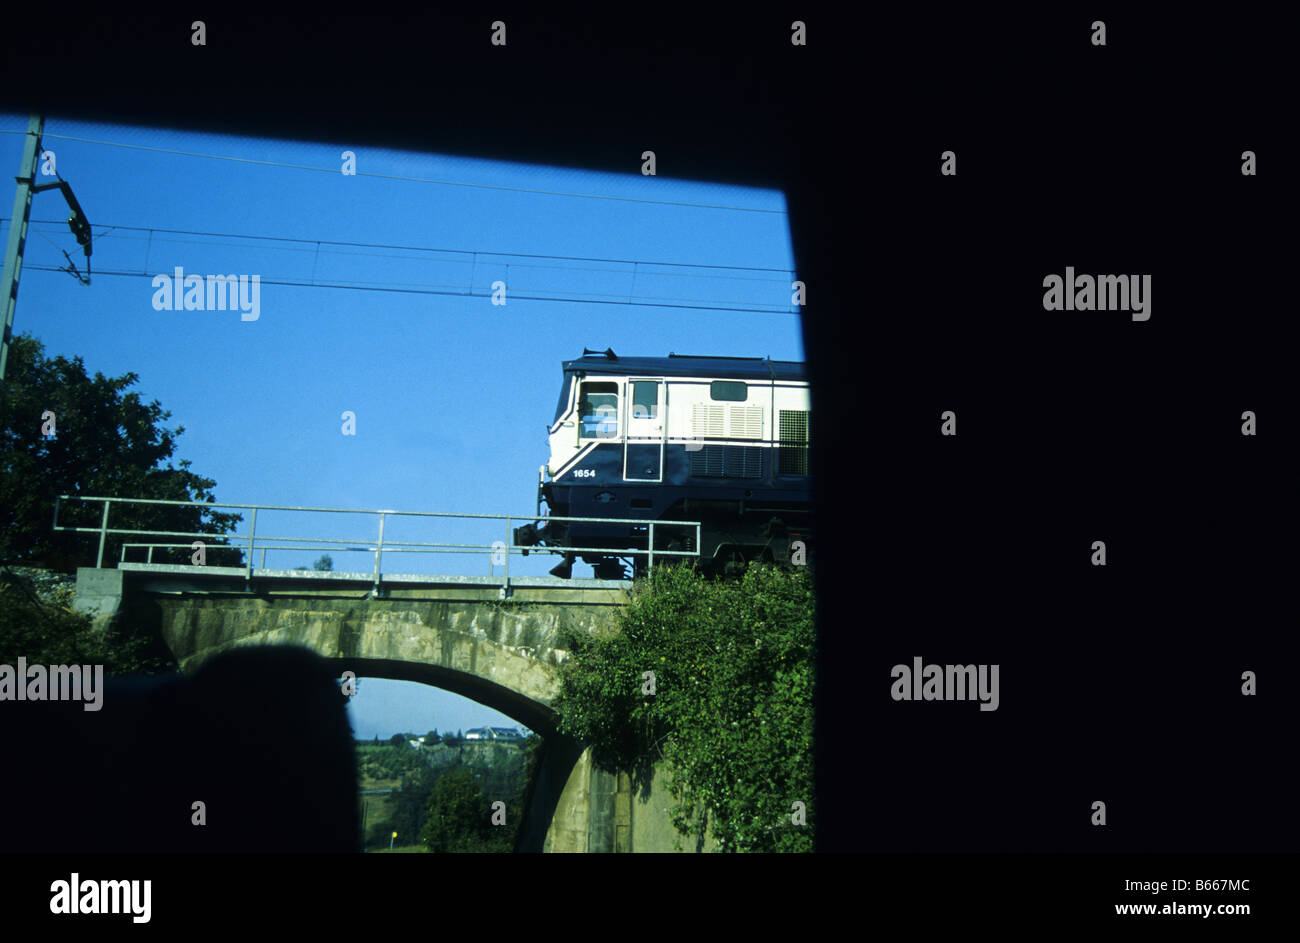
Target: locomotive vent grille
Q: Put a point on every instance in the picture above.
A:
(794, 433)
(707, 462)
(706, 421)
(747, 422)
(727, 461)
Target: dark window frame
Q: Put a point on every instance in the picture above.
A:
(653, 407)
(717, 386)
(584, 391)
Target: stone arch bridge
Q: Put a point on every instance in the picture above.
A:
(450, 632)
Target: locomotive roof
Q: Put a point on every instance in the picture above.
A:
(674, 365)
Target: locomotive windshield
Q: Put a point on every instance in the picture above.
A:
(598, 410)
(564, 398)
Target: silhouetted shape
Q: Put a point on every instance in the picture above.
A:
(259, 735)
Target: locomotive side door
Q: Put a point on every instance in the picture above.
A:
(643, 445)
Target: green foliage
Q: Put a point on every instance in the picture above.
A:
(732, 712)
(378, 834)
(459, 817)
(407, 809)
(397, 740)
(51, 633)
(407, 803)
(387, 761)
(324, 564)
(108, 443)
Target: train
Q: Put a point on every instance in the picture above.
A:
(722, 441)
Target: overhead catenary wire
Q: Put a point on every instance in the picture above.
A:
(476, 256)
(377, 245)
(702, 304)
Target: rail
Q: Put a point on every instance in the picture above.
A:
(499, 551)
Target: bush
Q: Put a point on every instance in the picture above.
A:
(732, 712)
(54, 634)
(459, 818)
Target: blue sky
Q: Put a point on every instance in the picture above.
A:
(452, 395)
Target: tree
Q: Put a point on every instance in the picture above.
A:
(106, 443)
(324, 564)
(731, 711)
(459, 817)
(407, 804)
(431, 737)
(397, 740)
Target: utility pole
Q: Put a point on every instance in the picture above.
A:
(18, 232)
(27, 188)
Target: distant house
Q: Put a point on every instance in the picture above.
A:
(493, 733)
(417, 743)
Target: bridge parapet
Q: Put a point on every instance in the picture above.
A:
(450, 631)
(169, 577)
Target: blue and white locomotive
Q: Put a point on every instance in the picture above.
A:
(719, 440)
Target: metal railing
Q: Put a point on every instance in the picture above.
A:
(249, 543)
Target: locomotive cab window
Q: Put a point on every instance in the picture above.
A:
(645, 400)
(564, 399)
(598, 409)
(728, 391)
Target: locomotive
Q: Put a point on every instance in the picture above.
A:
(723, 441)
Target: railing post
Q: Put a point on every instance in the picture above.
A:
(379, 552)
(263, 566)
(252, 529)
(149, 559)
(505, 587)
(652, 548)
(103, 533)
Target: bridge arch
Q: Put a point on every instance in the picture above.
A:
(558, 795)
(458, 637)
(535, 715)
